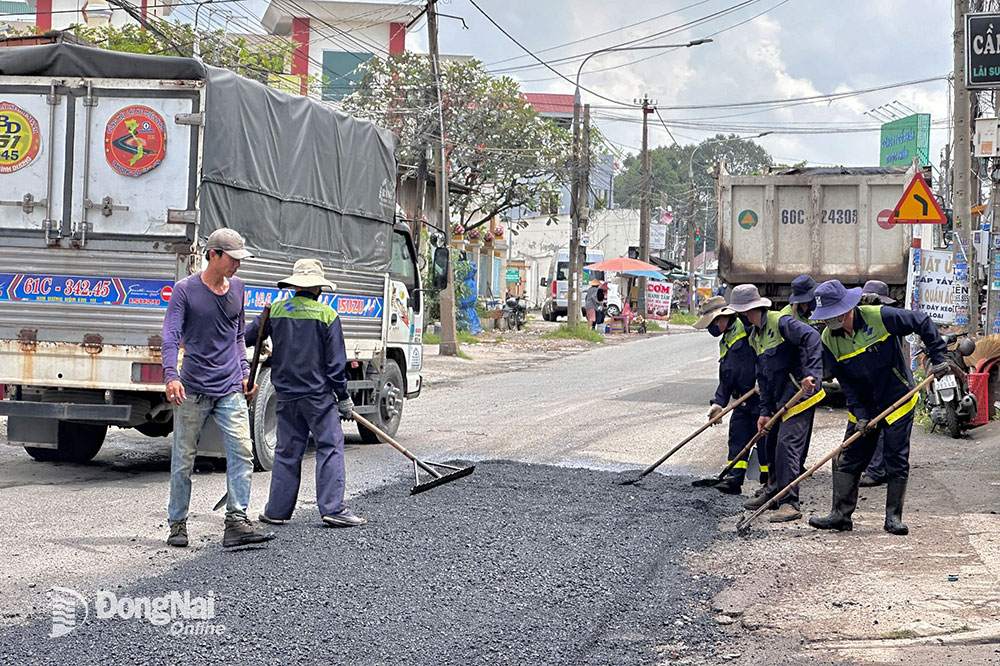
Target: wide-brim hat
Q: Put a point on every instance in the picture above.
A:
(746, 297)
(595, 283)
(307, 273)
(712, 309)
(803, 289)
(880, 289)
(834, 299)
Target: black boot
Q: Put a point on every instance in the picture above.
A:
(845, 500)
(895, 491)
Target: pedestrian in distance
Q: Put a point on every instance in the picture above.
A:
(590, 302)
(876, 292)
(862, 345)
(788, 358)
(205, 316)
(308, 371)
(737, 376)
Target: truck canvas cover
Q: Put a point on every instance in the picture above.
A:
(286, 171)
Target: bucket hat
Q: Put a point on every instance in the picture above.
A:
(803, 289)
(711, 309)
(746, 297)
(307, 273)
(230, 242)
(834, 299)
(880, 289)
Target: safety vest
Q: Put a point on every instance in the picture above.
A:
(868, 332)
(793, 311)
(736, 331)
(768, 337)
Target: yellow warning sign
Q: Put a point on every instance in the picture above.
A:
(918, 205)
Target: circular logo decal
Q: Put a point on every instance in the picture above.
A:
(884, 219)
(135, 141)
(747, 219)
(19, 138)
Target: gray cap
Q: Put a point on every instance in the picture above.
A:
(307, 273)
(746, 297)
(230, 242)
(880, 289)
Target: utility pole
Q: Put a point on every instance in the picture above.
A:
(583, 207)
(692, 287)
(961, 236)
(648, 107)
(449, 334)
(573, 283)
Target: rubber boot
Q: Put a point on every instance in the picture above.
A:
(895, 491)
(845, 500)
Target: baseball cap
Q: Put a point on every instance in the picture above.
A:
(230, 242)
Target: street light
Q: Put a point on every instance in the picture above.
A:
(197, 36)
(572, 310)
(704, 246)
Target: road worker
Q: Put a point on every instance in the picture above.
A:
(737, 376)
(788, 357)
(308, 367)
(801, 302)
(862, 346)
(876, 292)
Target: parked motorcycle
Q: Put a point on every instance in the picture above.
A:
(515, 312)
(949, 401)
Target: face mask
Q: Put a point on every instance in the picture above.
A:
(810, 307)
(714, 330)
(835, 325)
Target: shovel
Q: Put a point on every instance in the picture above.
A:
(701, 483)
(437, 478)
(749, 394)
(743, 526)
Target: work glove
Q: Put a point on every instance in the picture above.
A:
(863, 426)
(941, 369)
(714, 411)
(345, 407)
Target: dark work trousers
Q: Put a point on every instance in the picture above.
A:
(296, 419)
(876, 468)
(895, 441)
(790, 452)
(766, 448)
(742, 428)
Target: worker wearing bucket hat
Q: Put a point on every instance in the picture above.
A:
(876, 292)
(788, 357)
(737, 376)
(308, 372)
(801, 302)
(862, 347)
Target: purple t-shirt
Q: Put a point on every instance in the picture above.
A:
(210, 327)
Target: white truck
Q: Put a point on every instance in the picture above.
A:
(113, 169)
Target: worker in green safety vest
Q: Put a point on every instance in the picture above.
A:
(801, 302)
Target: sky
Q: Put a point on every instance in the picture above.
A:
(795, 48)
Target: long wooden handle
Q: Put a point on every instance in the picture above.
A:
(760, 433)
(850, 440)
(394, 444)
(746, 396)
(258, 346)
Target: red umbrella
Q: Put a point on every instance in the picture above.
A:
(621, 265)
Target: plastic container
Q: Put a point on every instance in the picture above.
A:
(979, 386)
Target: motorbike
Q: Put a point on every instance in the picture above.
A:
(515, 312)
(949, 401)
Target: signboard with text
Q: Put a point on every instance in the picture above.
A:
(658, 296)
(982, 50)
(935, 289)
(903, 139)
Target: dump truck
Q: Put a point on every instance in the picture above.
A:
(114, 168)
(827, 222)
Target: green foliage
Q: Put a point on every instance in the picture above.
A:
(461, 354)
(581, 331)
(651, 325)
(432, 339)
(499, 148)
(683, 318)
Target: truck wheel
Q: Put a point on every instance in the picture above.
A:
(389, 397)
(78, 443)
(156, 428)
(264, 422)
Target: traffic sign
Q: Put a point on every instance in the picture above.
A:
(918, 205)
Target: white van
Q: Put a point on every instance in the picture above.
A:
(557, 282)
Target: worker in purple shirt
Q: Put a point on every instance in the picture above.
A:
(205, 316)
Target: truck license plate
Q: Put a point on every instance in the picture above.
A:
(946, 382)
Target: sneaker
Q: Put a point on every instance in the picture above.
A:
(264, 518)
(344, 519)
(178, 535)
(870, 482)
(241, 532)
(784, 514)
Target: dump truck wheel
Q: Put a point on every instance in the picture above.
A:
(78, 443)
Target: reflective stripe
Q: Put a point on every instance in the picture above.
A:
(804, 405)
(851, 418)
(729, 338)
(863, 349)
(740, 465)
(764, 468)
(902, 411)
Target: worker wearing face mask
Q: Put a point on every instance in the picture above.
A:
(801, 302)
(861, 345)
(737, 376)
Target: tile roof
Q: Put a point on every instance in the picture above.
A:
(550, 103)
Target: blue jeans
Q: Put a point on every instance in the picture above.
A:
(230, 414)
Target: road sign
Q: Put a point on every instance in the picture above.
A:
(918, 205)
(982, 51)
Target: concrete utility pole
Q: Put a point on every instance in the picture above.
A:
(583, 207)
(449, 334)
(648, 107)
(962, 199)
(573, 283)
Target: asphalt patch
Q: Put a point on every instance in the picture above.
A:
(516, 564)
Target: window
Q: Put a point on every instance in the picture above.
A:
(562, 270)
(403, 268)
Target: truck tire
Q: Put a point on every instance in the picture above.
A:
(78, 443)
(264, 422)
(156, 428)
(389, 400)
